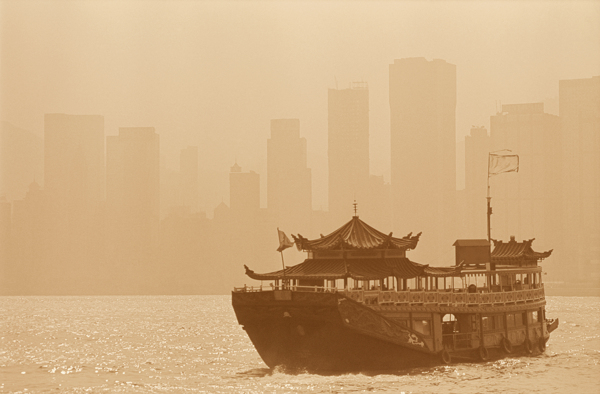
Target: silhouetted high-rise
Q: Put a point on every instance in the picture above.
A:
(5, 241)
(73, 181)
(188, 178)
(348, 150)
(423, 153)
(132, 190)
(244, 192)
(477, 148)
(21, 160)
(289, 187)
(525, 203)
(579, 110)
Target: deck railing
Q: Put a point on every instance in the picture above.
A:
(418, 297)
(444, 297)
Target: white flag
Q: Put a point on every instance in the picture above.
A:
(499, 163)
(284, 241)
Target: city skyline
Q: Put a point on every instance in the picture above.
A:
(72, 228)
(178, 68)
(171, 149)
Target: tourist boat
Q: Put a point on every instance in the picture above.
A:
(357, 303)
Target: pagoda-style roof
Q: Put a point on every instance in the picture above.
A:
(356, 234)
(360, 269)
(513, 252)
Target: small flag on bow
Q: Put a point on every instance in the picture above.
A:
(499, 163)
(284, 241)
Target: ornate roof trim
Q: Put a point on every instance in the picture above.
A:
(513, 251)
(363, 269)
(356, 234)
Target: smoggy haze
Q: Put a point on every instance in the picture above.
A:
(213, 75)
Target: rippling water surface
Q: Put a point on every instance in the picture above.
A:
(193, 344)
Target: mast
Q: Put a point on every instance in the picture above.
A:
(284, 281)
(489, 204)
(502, 163)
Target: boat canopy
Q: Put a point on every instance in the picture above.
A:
(516, 253)
(359, 269)
(356, 234)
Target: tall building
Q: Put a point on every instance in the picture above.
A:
(6, 262)
(579, 111)
(474, 218)
(21, 160)
(244, 192)
(379, 203)
(525, 204)
(423, 153)
(348, 151)
(73, 175)
(188, 177)
(289, 186)
(133, 190)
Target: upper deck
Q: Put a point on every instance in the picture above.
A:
(474, 291)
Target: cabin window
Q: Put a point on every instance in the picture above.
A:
(510, 320)
(533, 317)
(518, 319)
(498, 322)
(485, 322)
(422, 326)
(494, 322)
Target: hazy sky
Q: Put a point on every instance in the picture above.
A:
(213, 74)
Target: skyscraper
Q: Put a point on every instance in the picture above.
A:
(21, 160)
(73, 178)
(477, 148)
(348, 150)
(289, 188)
(525, 203)
(132, 190)
(423, 151)
(188, 177)
(244, 192)
(579, 111)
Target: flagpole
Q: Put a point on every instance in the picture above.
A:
(283, 265)
(489, 197)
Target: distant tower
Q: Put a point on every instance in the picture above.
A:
(579, 109)
(5, 240)
(133, 189)
(348, 150)
(525, 204)
(423, 152)
(188, 169)
(244, 192)
(477, 148)
(289, 187)
(73, 176)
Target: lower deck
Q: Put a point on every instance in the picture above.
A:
(448, 330)
(457, 332)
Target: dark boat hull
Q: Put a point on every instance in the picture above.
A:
(327, 332)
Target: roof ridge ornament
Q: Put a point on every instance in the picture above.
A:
(355, 208)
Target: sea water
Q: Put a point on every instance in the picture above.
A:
(193, 344)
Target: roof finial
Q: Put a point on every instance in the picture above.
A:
(355, 208)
